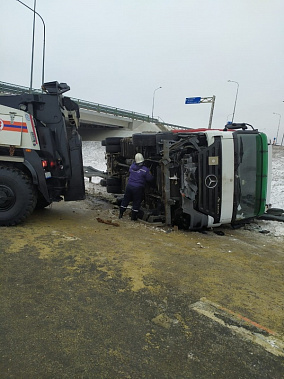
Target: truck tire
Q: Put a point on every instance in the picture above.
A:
(112, 181)
(113, 149)
(103, 182)
(114, 189)
(113, 185)
(113, 141)
(275, 211)
(144, 139)
(17, 196)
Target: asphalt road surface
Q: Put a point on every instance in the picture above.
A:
(85, 295)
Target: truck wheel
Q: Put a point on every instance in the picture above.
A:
(114, 189)
(113, 140)
(275, 211)
(17, 196)
(113, 149)
(141, 139)
(112, 181)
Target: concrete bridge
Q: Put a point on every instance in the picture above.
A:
(99, 121)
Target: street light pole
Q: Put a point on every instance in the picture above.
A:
(154, 100)
(278, 126)
(43, 49)
(33, 45)
(232, 81)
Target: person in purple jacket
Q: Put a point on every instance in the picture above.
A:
(138, 176)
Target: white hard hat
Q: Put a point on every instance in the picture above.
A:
(139, 158)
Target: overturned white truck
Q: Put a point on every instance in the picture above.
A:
(202, 177)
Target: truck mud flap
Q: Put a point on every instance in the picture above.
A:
(76, 184)
(34, 165)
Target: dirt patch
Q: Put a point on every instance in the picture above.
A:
(81, 298)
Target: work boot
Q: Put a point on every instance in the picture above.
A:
(134, 216)
(121, 211)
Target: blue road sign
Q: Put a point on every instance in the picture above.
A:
(192, 100)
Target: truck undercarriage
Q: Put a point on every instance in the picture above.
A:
(197, 179)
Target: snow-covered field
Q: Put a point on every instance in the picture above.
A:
(94, 155)
(277, 185)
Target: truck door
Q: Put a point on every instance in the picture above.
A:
(11, 128)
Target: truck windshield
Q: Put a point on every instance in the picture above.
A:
(249, 174)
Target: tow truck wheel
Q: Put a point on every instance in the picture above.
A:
(17, 196)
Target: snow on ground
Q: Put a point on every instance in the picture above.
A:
(277, 185)
(94, 155)
(277, 190)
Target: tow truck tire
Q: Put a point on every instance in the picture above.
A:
(18, 196)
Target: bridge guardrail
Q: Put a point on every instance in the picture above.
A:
(101, 108)
(114, 111)
(10, 88)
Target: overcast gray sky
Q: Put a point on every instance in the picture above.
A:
(117, 52)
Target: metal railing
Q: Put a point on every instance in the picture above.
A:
(15, 89)
(113, 111)
(8, 88)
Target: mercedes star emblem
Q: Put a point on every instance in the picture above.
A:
(211, 181)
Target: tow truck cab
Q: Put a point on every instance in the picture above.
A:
(202, 178)
(40, 153)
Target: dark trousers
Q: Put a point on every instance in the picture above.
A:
(134, 194)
